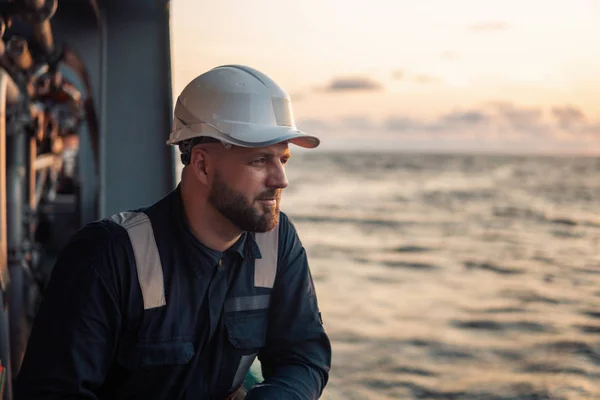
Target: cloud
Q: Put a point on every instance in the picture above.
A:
(568, 117)
(470, 117)
(352, 84)
(403, 124)
(447, 123)
(456, 122)
(490, 26)
(398, 74)
(523, 119)
(509, 125)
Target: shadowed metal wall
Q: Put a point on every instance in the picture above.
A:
(125, 46)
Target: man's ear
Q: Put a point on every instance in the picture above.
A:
(200, 163)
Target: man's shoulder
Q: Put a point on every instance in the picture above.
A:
(105, 232)
(287, 229)
(289, 239)
(96, 236)
(112, 231)
(284, 220)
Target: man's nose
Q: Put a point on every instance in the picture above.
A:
(277, 177)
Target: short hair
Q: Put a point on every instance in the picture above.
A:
(186, 147)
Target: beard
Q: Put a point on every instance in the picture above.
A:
(241, 211)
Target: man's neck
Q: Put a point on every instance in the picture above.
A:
(207, 224)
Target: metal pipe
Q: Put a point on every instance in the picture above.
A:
(47, 160)
(18, 50)
(48, 166)
(16, 148)
(17, 190)
(42, 31)
(4, 274)
(2, 27)
(35, 4)
(4, 78)
(31, 178)
(12, 94)
(43, 34)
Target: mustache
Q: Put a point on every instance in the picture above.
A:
(272, 194)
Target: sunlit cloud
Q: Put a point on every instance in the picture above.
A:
(520, 119)
(398, 74)
(352, 84)
(495, 122)
(403, 124)
(490, 26)
(568, 116)
(447, 123)
(400, 64)
(470, 117)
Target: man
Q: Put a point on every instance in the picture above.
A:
(176, 300)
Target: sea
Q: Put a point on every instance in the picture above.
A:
(453, 276)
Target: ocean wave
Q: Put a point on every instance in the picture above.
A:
(487, 266)
(497, 326)
(454, 277)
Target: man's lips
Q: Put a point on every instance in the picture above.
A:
(271, 200)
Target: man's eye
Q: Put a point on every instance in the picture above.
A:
(284, 160)
(258, 161)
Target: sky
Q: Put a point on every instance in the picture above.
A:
(463, 75)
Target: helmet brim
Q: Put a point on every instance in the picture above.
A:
(293, 136)
(264, 137)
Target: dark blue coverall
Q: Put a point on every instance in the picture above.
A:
(92, 338)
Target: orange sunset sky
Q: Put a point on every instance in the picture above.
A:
(462, 75)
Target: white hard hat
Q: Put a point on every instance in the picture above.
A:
(237, 105)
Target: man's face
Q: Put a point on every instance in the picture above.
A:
(247, 184)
